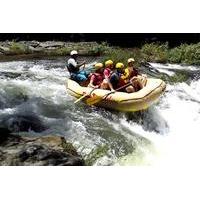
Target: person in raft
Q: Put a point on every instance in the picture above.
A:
(76, 74)
(115, 78)
(96, 78)
(131, 74)
(107, 73)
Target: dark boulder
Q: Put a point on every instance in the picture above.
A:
(18, 123)
(41, 151)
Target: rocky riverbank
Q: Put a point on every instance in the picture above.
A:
(16, 150)
(186, 54)
(33, 149)
(8, 49)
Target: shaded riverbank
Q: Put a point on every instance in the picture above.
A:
(114, 39)
(34, 49)
(188, 54)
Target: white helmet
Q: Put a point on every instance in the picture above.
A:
(74, 52)
(131, 60)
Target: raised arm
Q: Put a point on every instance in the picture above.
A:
(81, 64)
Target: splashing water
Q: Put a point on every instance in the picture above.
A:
(165, 134)
(178, 143)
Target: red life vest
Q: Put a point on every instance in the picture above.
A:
(134, 73)
(97, 78)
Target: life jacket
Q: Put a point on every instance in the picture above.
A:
(128, 75)
(72, 69)
(107, 72)
(134, 73)
(98, 78)
(116, 80)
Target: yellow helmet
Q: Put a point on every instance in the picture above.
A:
(131, 60)
(108, 62)
(98, 66)
(119, 65)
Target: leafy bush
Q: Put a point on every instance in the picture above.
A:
(185, 54)
(175, 55)
(191, 54)
(100, 49)
(121, 55)
(63, 51)
(18, 48)
(155, 52)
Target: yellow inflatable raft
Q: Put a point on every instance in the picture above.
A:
(121, 101)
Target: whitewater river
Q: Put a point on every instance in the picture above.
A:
(166, 133)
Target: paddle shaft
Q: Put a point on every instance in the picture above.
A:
(117, 89)
(123, 86)
(82, 97)
(94, 100)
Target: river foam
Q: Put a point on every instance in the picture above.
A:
(165, 134)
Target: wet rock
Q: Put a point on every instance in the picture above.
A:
(4, 132)
(4, 49)
(18, 123)
(58, 143)
(19, 50)
(31, 43)
(10, 74)
(36, 49)
(51, 44)
(41, 151)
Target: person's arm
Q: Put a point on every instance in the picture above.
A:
(75, 64)
(81, 64)
(107, 77)
(110, 85)
(91, 84)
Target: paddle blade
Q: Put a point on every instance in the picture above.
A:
(93, 100)
(82, 97)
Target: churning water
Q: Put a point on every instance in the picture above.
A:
(33, 94)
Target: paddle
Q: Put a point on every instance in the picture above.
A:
(85, 95)
(95, 99)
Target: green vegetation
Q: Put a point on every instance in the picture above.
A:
(188, 54)
(121, 55)
(100, 49)
(185, 53)
(62, 51)
(18, 48)
(155, 52)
